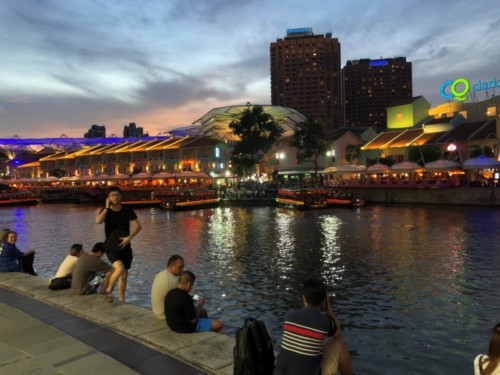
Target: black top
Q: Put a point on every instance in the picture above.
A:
(179, 311)
(119, 220)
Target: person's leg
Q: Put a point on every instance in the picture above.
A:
(27, 264)
(117, 271)
(122, 285)
(216, 325)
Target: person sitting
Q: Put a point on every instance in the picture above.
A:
(164, 282)
(91, 271)
(62, 278)
(180, 313)
(11, 258)
(490, 364)
(304, 333)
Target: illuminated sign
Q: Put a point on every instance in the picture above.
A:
(459, 88)
(378, 63)
(302, 30)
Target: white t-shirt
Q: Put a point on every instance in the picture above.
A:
(485, 363)
(163, 283)
(66, 267)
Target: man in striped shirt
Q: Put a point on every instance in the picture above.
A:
(305, 331)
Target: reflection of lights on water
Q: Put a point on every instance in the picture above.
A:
(330, 226)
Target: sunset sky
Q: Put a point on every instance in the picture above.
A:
(66, 65)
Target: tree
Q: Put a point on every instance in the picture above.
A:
(353, 153)
(58, 172)
(257, 131)
(428, 153)
(309, 139)
(476, 150)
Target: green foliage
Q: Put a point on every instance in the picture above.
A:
(428, 152)
(387, 161)
(309, 139)
(476, 150)
(257, 131)
(353, 153)
(58, 172)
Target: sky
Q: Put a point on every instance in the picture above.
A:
(68, 64)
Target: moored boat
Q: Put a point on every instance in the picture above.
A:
(187, 199)
(317, 198)
(18, 199)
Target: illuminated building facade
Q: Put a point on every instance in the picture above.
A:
(306, 75)
(370, 86)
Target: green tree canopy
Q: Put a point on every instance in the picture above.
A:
(353, 153)
(257, 131)
(309, 139)
(427, 152)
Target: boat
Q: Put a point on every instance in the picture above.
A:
(143, 203)
(18, 199)
(317, 198)
(187, 199)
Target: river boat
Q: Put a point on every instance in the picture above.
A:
(144, 203)
(317, 198)
(18, 199)
(187, 199)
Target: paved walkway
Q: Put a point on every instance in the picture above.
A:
(54, 332)
(42, 339)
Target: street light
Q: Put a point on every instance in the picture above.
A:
(331, 153)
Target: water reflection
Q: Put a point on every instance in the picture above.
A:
(411, 285)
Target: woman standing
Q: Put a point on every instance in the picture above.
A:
(490, 364)
(11, 258)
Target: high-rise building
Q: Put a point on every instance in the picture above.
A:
(370, 86)
(96, 131)
(132, 131)
(306, 75)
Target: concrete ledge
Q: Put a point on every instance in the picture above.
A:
(209, 351)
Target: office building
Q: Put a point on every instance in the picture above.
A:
(96, 131)
(306, 75)
(133, 131)
(370, 86)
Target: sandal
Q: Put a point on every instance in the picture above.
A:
(108, 298)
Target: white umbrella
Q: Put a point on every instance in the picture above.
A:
(346, 168)
(442, 165)
(378, 168)
(407, 166)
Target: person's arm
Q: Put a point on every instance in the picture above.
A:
(136, 228)
(198, 310)
(332, 316)
(102, 214)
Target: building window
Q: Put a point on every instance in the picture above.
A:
(399, 117)
(491, 111)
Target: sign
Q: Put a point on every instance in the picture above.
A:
(459, 88)
(302, 30)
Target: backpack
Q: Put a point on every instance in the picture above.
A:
(253, 353)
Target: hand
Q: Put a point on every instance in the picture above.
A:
(201, 302)
(108, 203)
(124, 241)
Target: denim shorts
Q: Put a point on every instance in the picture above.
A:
(204, 325)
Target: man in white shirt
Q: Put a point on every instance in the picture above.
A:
(163, 283)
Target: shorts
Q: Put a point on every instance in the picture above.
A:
(204, 325)
(125, 256)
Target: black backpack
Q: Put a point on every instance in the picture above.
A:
(253, 353)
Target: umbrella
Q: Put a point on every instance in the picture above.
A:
(442, 165)
(378, 168)
(141, 176)
(407, 166)
(482, 162)
(347, 168)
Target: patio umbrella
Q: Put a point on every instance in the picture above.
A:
(407, 166)
(347, 168)
(442, 165)
(482, 162)
(378, 168)
(141, 176)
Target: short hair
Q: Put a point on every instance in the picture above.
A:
(494, 346)
(173, 259)
(75, 249)
(187, 277)
(314, 291)
(112, 189)
(99, 246)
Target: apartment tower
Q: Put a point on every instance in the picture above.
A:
(306, 75)
(369, 88)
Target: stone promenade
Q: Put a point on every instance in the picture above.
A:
(57, 332)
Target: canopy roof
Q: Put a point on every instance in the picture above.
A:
(216, 121)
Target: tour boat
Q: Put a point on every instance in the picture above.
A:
(187, 199)
(317, 198)
(17, 199)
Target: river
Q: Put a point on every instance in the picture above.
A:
(417, 288)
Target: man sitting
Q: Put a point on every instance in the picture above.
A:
(88, 271)
(163, 283)
(180, 313)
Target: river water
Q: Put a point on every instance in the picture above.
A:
(417, 289)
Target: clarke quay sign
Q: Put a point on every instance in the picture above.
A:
(459, 88)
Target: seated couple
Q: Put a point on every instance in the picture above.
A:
(11, 258)
(63, 276)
